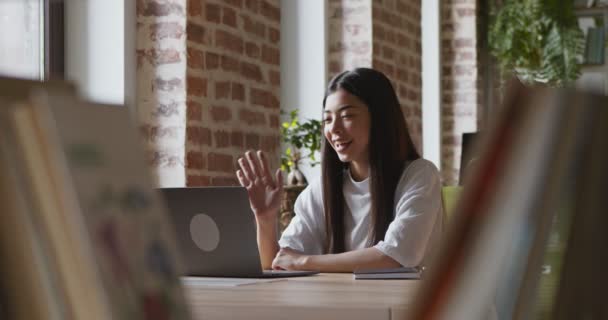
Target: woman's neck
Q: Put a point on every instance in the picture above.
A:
(359, 171)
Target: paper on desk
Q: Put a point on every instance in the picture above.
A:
(224, 282)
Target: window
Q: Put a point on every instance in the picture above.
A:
(22, 43)
(31, 45)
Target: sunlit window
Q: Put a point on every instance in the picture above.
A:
(22, 38)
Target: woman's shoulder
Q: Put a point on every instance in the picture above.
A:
(420, 167)
(419, 172)
(420, 177)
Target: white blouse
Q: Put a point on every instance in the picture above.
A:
(411, 237)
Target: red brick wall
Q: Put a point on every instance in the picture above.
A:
(385, 35)
(460, 82)
(161, 81)
(397, 52)
(233, 86)
(208, 86)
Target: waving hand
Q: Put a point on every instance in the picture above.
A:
(263, 190)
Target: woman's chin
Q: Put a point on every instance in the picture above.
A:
(344, 157)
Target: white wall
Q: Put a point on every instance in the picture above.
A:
(431, 81)
(95, 48)
(303, 60)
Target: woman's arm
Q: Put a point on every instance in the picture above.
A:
(265, 200)
(267, 241)
(368, 258)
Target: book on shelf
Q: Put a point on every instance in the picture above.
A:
(539, 177)
(389, 273)
(595, 46)
(87, 236)
(29, 285)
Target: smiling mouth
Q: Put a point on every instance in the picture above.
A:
(341, 146)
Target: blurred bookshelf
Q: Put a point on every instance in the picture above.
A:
(84, 233)
(527, 239)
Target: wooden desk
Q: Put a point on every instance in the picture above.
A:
(323, 296)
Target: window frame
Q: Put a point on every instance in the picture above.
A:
(54, 39)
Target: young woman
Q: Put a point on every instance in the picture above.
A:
(377, 205)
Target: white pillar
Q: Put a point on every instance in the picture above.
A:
(95, 55)
(431, 81)
(303, 60)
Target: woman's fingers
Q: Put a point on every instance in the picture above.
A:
(279, 176)
(246, 169)
(265, 171)
(255, 170)
(277, 261)
(264, 164)
(242, 179)
(253, 163)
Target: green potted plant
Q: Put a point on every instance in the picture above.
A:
(539, 41)
(301, 140)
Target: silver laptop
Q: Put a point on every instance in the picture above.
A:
(216, 233)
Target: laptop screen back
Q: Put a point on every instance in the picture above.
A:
(215, 229)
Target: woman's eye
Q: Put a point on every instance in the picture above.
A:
(347, 116)
(327, 120)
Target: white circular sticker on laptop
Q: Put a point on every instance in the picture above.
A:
(204, 232)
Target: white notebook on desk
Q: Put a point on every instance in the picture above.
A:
(391, 273)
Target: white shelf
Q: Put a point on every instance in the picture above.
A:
(591, 12)
(594, 68)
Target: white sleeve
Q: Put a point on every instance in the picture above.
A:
(417, 211)
(305, 233)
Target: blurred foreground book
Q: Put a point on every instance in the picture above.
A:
(528, 239)
(84, 234)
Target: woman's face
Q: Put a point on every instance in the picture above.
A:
(346, 122)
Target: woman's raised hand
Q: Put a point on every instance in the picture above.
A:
(264, 191)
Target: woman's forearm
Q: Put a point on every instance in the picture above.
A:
(368, 258)
(267, 241)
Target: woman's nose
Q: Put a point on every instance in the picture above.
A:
(335, 126)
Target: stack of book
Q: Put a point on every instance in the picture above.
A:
(595, 46)
(84, 234)
(528, 238)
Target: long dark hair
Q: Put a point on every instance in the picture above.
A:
(390, 146)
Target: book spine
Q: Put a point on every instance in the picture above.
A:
(58, 214)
